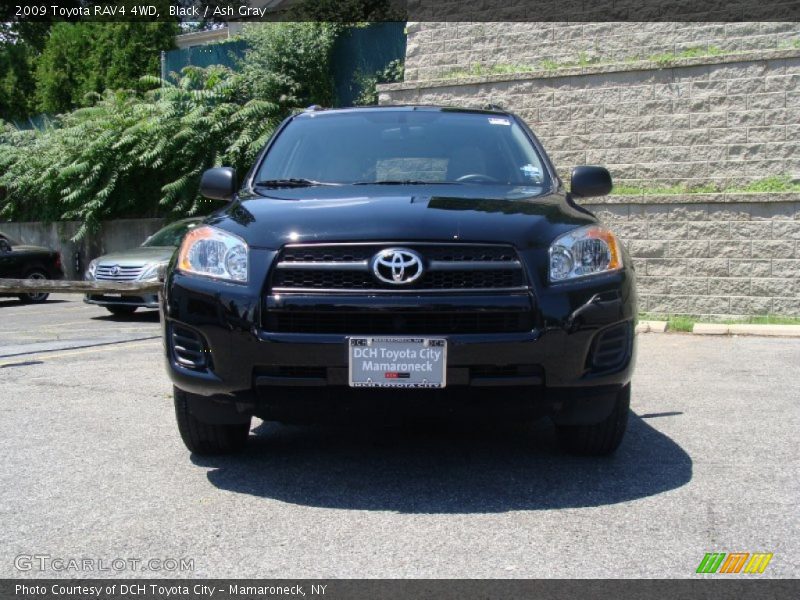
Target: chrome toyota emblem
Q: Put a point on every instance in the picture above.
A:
(397, 266)
(114, 270)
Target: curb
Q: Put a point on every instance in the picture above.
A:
(651, 327)
(792, 331)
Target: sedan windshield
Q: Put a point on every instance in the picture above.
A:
(402, 147)
(171, 235)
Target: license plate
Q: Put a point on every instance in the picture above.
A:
(397, 362)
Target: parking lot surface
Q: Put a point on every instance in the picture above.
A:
(93, 467)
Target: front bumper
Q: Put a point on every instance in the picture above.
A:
(146, 301)
(254, 367)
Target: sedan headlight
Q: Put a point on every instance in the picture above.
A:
(151, 272)
(91, 270)
(584, 251)
(212, 252)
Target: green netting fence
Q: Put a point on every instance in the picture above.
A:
(363, 51)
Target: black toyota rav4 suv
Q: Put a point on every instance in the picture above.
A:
(417, 259)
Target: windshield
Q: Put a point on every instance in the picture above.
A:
(171, 235)
(403, 147)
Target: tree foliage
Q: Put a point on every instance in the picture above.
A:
(140, 152)
(20, 45)
(290, 62)
(81, 58)
(391, 73)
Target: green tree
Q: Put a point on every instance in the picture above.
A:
(140, 151)
(290, 63)
(16, 81)
(20, 44)
(130, 154)
(81, 58)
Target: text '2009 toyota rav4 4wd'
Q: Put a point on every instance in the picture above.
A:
(417, 258)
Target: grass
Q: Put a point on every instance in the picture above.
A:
(774, 184)
(685, 323)
(672, 190)
(668, 58)
(585, 60)
(478, 70)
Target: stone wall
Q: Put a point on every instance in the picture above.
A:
(720, 120)
(711, 254)
(438, 49)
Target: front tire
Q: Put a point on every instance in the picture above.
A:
(598, 439)
(36, 297)
(121, 310)
(207, 439)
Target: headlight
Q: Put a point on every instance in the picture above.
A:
(585, 251)
(215, 253)
(151, 272)
(90, 272)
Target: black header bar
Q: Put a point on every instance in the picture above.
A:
(222, 11)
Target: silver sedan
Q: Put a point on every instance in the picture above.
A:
(137, 264)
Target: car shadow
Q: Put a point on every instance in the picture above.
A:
(140, 316)
(18, 302)
(446, 467)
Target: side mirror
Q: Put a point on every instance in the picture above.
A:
(589, 182)
(218, 184)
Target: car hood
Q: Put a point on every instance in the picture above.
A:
(139, 256)
(524, 217)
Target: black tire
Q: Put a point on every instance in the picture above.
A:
(121, 310)
(35, 298)
(206, 438)
(601, 438)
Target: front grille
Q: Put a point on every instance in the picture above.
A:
(437, 280)
(398, 322)
(611, 347)
(188, 348)
(347, 267)
(113, 272)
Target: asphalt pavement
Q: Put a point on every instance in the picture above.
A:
(93, 468)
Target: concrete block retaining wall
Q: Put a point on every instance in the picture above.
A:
(711, 254)
(439, 49)
(719, 120)
(723, 120)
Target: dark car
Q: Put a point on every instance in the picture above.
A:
(396, 259)
(21, 261)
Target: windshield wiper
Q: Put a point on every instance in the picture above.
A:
(294, 182)
(402, 182)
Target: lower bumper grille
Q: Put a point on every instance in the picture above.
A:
(611, 347)
(189, 348)
(400, 323)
